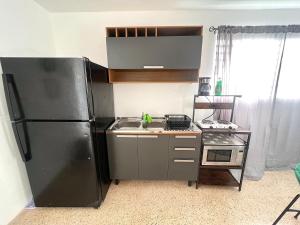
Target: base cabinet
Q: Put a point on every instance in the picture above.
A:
(183, 169)
(123, 156)
(151, 157)
(184, 153)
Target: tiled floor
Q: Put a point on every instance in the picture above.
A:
(169, 202)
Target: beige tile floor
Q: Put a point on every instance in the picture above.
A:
(173, 202)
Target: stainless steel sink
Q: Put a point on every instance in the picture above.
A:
(127, 125)
(156, 125)
(134, 125)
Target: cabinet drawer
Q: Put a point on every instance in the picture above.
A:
(184, 152)
(183, 141)
(183, 168)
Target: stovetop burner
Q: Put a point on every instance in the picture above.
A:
(216, 124)
(223, 122)
(207, 122)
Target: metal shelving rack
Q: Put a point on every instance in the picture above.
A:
(215, 105)
(221, 175)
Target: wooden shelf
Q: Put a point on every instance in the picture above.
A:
(217, 177)
(240, 130)
(180, 31)
(213, 105)
(154, 31)
(238, 96)
(221, 167)
(144, 75)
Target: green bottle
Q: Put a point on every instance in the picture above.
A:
(218, 89)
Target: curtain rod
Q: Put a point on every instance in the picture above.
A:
(292, 28)
(213, 29)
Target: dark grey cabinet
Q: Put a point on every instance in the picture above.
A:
(163, 52)
(153, 156)
(184, 153)
(183, 169)
(123, 156)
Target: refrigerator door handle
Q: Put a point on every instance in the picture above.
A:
(89, 83)
(16, 109)
(89, 146)
(22, 140)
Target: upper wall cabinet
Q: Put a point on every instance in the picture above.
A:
(154, 48)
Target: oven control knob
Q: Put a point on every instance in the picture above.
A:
(230, 127)
(211, 127)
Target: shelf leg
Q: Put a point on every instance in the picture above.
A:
(190, 183)
(117, 181)
(244, 162)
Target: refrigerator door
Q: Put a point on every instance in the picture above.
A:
(46, 88)
(62, 169)
(102, 157)
(103, 96)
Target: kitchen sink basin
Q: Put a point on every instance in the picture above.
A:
(127, 125)
(133, 124)
(156, 125)
(136, 126)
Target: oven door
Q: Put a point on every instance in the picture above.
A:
(222, 155)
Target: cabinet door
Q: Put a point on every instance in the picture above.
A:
(153, 156)
(123, 156)
(168, 52)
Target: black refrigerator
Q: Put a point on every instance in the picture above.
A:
(59, 110)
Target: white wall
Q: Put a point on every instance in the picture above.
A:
(25, 31)
(78, 34)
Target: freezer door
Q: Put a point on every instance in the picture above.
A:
(46, 88)
(62, 169)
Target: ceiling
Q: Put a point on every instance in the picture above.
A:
(128, 5)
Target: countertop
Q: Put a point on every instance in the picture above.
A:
(192, 130)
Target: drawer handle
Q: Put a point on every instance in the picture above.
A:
(184, 149)
(148, 136)
(126, 136)
(184, 161)
(187, 137)
(153, 67)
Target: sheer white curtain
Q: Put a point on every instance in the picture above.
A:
(255, 56)
(284, 148)
(254, 67)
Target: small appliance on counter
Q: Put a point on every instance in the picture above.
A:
(222, 150)
(216, 124)
(204, 86)
(177, 121)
